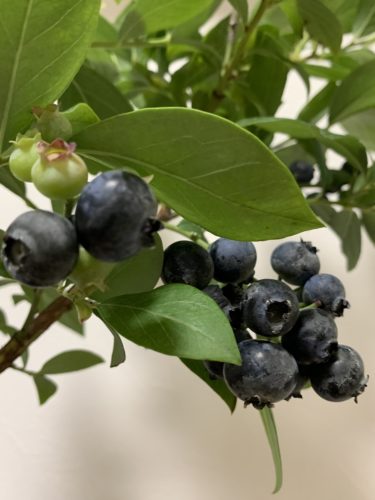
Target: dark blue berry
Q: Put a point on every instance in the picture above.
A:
(234, 261)
(303, 379)
(114, 216)
(268, 373)
(40, 248)
(302, 170)
(186, 262)
(341, 379)
(327, 291)
(313, 338)
(270, 308)
(295, 261)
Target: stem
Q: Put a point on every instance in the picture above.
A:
(32, 312)
(23, 338)
(188, 234)
(239, 53)
(68, 208)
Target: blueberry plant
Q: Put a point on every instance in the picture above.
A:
(168, 119)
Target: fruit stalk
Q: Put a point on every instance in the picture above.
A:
(21, 340)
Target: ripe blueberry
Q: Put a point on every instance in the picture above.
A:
(341, 379)
(313, 338)
(302, 170)
(268, 373)
(295, 261)
(114, 216)
(187, 262)
(234, 261)
(327, 291)
(40, 248)
(270, 308)
(303, 378)
(215, 292)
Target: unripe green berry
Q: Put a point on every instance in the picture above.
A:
(24, 156)
(90, 272)
(59, 173)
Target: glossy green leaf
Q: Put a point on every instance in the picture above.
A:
(145, 17)
(355, 94)
(71, 361)
(333, 73)
(324, 211)
(42, 46)
(368, 222)
(135, 275)
(321, 23)
(99, 93)
(80, 117)
(346, 146)
(219, 386)
(242, 7)
(178, 320)
(45, 387)
(344, 10)
(273, 440)
(362, 126)
(348, 227)
(289, 7)
(203, 166)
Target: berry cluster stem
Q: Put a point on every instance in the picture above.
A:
(188, 234)
(21, 340)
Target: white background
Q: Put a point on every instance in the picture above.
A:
(150, 430)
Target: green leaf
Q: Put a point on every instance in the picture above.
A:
(71, 361)
(42, 46)
(368, 222)
(273, 440)
(355, 94)
(365, 11)
(362, 126)
(97, 92)
(316, 108)
(348, 227)
(346, 146)
(219, 386)
(118, 352)
(80, 117)
(45, 387)
(321, 23)
(135, 275)
(178, 320)
(324, 211)
(268, 72)
(145, 17)
(204, 166)
(241, 6)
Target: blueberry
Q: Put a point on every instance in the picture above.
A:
(270, 308)
(187, 262)
(268, 373)
(341, 379)
(302, 171)
(40, 248)
(303, 379)
(295, 261)
(327, 291)
(313, 338)
(234, 261)
(114, 216)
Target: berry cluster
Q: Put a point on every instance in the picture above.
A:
(291, 344)
(114, 217)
